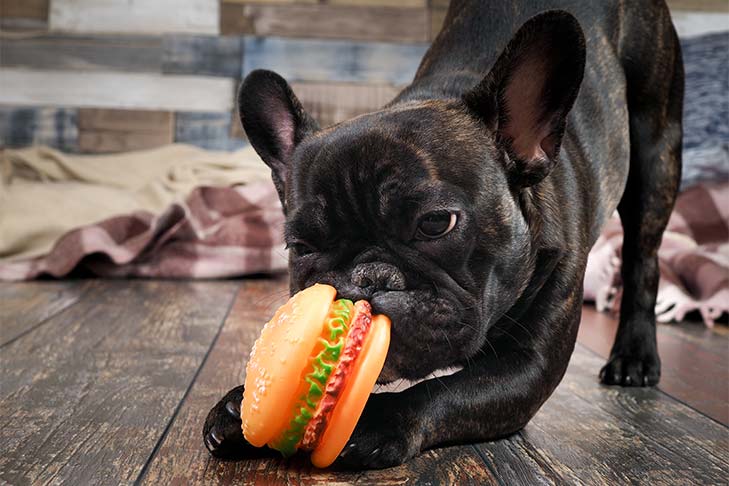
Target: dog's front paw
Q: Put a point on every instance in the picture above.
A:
(385, 436)
(632, 369)
(222, 433)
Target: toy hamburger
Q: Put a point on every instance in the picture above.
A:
(310, 374)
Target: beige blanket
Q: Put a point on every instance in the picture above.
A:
(44, 193)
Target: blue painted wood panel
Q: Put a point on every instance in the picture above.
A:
(210, 131)
(202, 55)
(24, 126)
(333, 60)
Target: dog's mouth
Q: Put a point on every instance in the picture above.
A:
(402, 384)
(430, 332)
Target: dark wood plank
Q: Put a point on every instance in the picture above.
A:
(26, 305)
(700, 5)
(437, 17)
(21, 126)
(372, 23)
(693, 362)
(26, 9)
(590, 434)
(202, 55)
(183, 459)
(83, 53)
(24, 15)
(110, 130)
(331, 103)
(86, 397)
(334, 60)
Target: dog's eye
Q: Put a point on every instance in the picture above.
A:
(300, 248)
(436, 224)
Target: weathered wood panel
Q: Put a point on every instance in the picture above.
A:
(183, 459)
(590, 434)
(437, 17)
(83, 53)
(361, 3)
(107, 130)
(700, 5)
(23, 14)
(328, 21)
(202, 55)
(115, 90)
(273, 2)
(210, 131)
(693, 370)
(23, 126)
(381, 3)
(99, 142)
(27, 305)
(331, 103)
(135, 17)
(690, 24)
(334, 60)
(86, 396)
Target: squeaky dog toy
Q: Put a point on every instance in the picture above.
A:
(310, 374)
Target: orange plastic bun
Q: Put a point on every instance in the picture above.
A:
(277, 360)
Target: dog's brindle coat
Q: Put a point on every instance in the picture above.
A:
(494, 134)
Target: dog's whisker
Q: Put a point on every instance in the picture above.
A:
(518, 324)
(509, 334)
(492, 348)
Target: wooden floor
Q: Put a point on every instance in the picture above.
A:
(107, 382)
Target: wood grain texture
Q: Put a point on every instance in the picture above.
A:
(210, 131)
(381, 3)
(108, 130)
(83, 53)
(86, 396)
(125, 120)
(27, 305)
(115, 90)
(590, 434)
(135, 17)
(328, 21)
(23, 126)
(271, 2)
(202, 55)
(24, 9)
(183, 459)
(437, 17)
(693, 362)
(331, 103)
(334, 60)
(699, 5)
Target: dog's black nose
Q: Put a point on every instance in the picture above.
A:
(378, 276)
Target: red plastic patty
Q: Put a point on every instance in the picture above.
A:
(358, 329)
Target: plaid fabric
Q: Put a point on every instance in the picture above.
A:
(215, 232)
(693, 257)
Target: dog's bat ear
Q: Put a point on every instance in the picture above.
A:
(274, 121)
(530, 90)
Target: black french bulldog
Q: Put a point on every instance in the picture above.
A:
(466, 207)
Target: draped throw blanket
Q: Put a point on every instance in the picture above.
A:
(176, 211)
(693, 257)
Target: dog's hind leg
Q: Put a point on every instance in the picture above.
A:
(655, 82)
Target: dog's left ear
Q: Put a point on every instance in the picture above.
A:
(274, 121)
(527, 95)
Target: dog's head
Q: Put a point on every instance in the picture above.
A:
(416, 207)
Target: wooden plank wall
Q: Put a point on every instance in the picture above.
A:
(166, 70)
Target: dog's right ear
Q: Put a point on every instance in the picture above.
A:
(274, 121)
